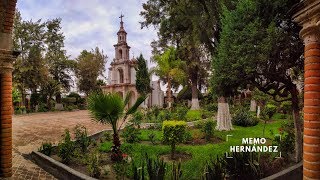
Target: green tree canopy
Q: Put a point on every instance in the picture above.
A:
(142, 76)
(90, 65)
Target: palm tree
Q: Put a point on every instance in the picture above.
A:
(109, 108)
(169, 68)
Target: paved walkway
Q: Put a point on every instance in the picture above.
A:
(31, 130)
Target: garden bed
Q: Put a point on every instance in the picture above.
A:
(195, 155)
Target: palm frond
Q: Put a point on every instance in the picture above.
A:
(127, 98)
(105, 108)
(139, 101)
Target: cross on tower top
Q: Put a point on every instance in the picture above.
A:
(121, 16)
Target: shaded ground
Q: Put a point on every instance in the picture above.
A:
(31, 130)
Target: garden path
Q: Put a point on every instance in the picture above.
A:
(31, 130)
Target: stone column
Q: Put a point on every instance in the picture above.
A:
(7, 11)
(307, 15)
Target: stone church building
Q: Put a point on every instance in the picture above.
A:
(122, 74)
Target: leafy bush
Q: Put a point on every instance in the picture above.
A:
(107, 136)
(182, 112)
(46, 148)
(162, 116)
(66, 148)
(71, 107)
(131, 134)
(93, 165)
(69, 100)
(168, 115)
(137, 118)
(208, 129)
(74, 95)
(81, 135)
(194, 115)
(120, 168)
(206, 114)
(287, 139)
(42, 107)
(187, 136)
(212, 107)
(244, 118)
(286, 107)
(199, 124)
(270, 110)
(173, 133)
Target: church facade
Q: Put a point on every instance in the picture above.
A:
(122, 74)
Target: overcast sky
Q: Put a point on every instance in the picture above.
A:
(90, 23)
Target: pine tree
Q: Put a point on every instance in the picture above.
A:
(142, 77)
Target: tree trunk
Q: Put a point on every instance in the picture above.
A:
(253, 105)
(169, 93)
(297, 123)
(49, 102)
(195, 99)
(173, 149)
(58, 98)
(223, 117)
(116, 154)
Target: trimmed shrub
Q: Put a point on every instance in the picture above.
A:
(173, 133)
(244, 118)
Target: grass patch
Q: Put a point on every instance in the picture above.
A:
(194, 115)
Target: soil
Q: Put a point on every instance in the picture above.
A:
(105, 166)
(203, 141)
(178, 156)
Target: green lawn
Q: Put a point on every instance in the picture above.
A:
(193, 168)
(194, 115)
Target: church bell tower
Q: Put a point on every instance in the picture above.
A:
(122, 50)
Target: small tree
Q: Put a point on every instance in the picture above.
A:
(173, 133)
(169, 69)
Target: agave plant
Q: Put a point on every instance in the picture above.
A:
(109, 108)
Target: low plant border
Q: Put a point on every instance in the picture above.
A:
(60, 170)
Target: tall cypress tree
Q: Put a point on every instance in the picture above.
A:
(142, 77)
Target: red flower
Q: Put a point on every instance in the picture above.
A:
(124, 155)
